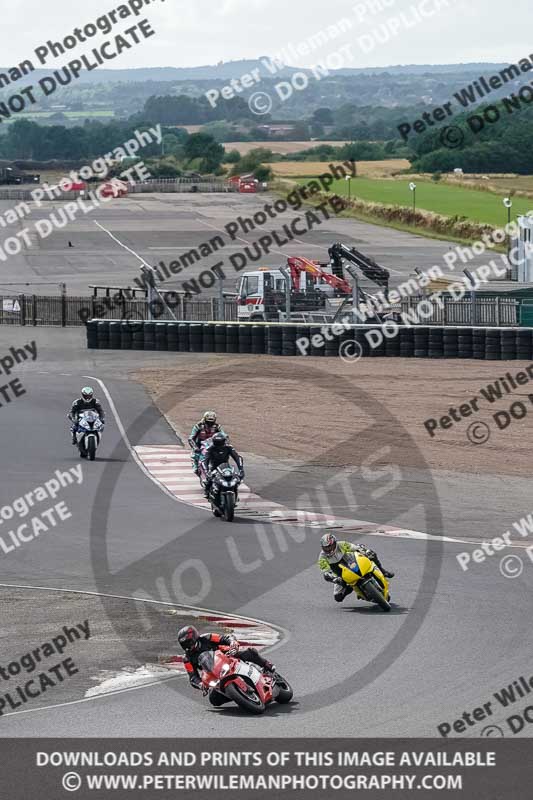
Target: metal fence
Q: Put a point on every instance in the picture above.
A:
(496, 311)
(180, 185)
(62, 311)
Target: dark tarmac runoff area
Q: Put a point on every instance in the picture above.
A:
(453, 639)
(168, 227)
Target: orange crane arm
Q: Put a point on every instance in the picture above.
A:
(299, 264)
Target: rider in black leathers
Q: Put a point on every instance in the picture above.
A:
(219, 452)
(195, 644)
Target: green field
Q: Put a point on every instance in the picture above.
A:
(441, 198)
(35, 116)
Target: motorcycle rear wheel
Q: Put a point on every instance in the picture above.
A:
(374, 595)
(249, 701)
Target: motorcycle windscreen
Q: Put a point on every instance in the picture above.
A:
(206, 661)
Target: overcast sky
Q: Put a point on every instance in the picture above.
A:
(198, 32)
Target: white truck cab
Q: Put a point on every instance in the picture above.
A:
(259, 291)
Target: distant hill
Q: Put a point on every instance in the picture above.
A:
(234, 69)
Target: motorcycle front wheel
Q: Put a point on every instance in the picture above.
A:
(229, 507)
(249, 700)
(374, 595)
(91, 448)
(284, 690)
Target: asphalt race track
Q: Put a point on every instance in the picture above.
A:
(448, 644)
(163, 227)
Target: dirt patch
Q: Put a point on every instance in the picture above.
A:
(271, 412)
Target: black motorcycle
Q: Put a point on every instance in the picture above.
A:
(224, 491)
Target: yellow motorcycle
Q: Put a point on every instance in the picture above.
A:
(366, 579)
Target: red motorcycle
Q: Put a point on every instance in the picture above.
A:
(228, 679)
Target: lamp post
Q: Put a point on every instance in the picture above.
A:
(349, 179)
(508, 203)
(412, 187)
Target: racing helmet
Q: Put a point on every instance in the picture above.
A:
(328, 544)
(87, 393)
(188, 637)
(219, 439)
(209, 418)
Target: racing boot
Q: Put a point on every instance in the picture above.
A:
(380, 566)
(74, 437)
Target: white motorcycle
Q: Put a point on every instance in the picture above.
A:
(89, 433)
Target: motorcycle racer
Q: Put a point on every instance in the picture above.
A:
(194, 644)
(86, 402)
(332, 553)
(204, 429)
(219, 452)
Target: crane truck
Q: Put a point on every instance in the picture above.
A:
(262, 293)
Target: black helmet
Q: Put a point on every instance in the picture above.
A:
(188, 637)
(219, 439)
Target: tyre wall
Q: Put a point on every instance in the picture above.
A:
(280, 339)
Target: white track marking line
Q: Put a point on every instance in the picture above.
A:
(211, 612)
(124, 435)
(184, 485)
(284, 514)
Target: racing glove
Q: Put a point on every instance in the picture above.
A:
(329, 577)
(233, 648)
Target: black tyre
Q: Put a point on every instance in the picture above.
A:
(91, 449)
(229, 507)
(217, 699)
(248, 700)
(284, 690)
(244, 333)
(274, 340)
(374, 595)
(258, 339)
